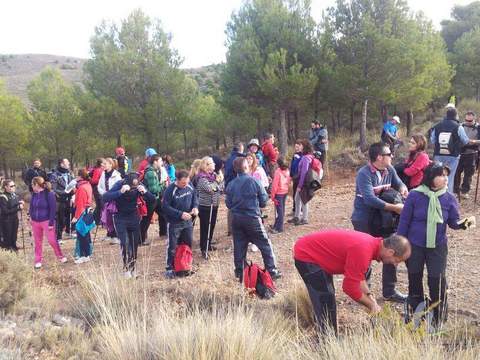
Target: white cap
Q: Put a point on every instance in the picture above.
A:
(396, 118)
(450, 106)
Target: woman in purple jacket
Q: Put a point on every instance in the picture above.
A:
(428, 210)
(42, 213)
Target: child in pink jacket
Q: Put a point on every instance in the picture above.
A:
(278, 194)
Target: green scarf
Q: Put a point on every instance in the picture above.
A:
(434, 214)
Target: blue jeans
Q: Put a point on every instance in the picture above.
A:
(452, 163)
(280, 212)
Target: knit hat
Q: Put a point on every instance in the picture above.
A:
(150, 152)
(119, 151)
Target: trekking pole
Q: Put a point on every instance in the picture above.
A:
(476, 187)
(23, 233)
(209, 227)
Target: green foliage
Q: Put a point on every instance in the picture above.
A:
(465, 19)
(466, 57)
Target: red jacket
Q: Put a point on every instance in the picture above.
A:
(83, 197)
(142, 167)
(96, 173)
(340, 252)
(270, 152)
(414, 169)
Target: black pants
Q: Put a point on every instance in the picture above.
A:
(98, 205)
(128, 231)
(249, 229)
(322, 294)
(294, 188)
(204, 215)
(84, 242)
(9, 227)
(180, 233)
(389, 272)
(436, 261)
(63, 218)
(466, 165)
(155, 207)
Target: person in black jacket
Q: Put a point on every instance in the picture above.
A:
(34, 171)
(60, 179)
(10, 205)
(126, 194)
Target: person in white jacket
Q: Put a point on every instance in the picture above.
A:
(108, 178)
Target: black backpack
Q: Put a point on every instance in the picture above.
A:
(384, 223)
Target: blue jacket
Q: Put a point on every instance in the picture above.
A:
(369, 184)
(126, 202)
(245, 196)
(294, 163)
(229, 172)
(171, 172)
(177, 201)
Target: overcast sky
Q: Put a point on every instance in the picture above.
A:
(64, 27)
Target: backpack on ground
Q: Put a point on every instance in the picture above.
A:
(182, 264)
(258, 281)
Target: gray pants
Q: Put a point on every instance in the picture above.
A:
(301, 209)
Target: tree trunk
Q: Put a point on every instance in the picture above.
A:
(217, 142)
(5, 166)
(185, 144)
(409, 122)
(477, 93)
(384, 111)
(234, 136)
(295, 125)
(224, 141)
(289, 127)
(363, 127)
(119, 139)
(334, 123)
(259, 127)
(283, 140)
(165, 128)
(352, 117)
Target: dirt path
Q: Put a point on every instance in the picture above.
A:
(331, 208)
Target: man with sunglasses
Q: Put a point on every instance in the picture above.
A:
(371, 180)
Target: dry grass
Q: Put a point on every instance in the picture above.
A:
(14, 279)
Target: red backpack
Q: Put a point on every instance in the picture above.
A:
(141, 207)
(182, 264)
(258, 281)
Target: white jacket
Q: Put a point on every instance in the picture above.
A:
(102, 188)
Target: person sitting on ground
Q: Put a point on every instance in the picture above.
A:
(126, 194)
(371, 180)
(301, 208)
(245, 197)
(390, 133)
(10, 205)
(95, 175)
(428, 210)
(145, 162)
(168, 161)
(468, 157)
(42, 214)
(34, 171)
(180, 206)
(254, 148)
(209, 189)
(280, 184)
(83, 200)
(270, 153)
(107, 180)
(153, 184)
(321, 255)
(411, 171)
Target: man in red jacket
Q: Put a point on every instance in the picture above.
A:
(270, 154)
(321, 255)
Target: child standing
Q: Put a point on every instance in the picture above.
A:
(280, 184)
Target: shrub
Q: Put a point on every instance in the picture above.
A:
(14, 279)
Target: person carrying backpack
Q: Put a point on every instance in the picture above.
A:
(124, 164)
(297, 156)
(109, 177)
(168, 161)
(153, 184)
(245, 197)
(128, 196)
(145, 162)
(60, 179)
(254, 148)
(34, 171)
(280, 185)
(83, 200)
(180, 206)
(270, 153)
(10, 205)
(95, 175)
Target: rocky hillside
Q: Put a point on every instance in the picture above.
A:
(18, 70)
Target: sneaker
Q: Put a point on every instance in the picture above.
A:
(397, 297)
(301, 222)
(275, 274)
(253, 247)
(80, 260)
(63, 260)
(114, 241)
(212, 248)
(127, 274)
(465, 196)
(169, 274)
(38, 265)
(274, 231)
(134, 274)
(87, 259)
(60, 242)
(293, 220)
(205, 255)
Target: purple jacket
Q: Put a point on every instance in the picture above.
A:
(303, 166)
(43, 207)
(413, 219)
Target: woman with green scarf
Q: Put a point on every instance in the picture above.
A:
(428, 210)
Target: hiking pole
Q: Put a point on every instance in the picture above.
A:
(476, 187)
(209, 228)
(23, 233)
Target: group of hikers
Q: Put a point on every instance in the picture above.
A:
(400, 213)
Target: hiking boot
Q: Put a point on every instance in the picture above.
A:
(301, 222)
(275, 274)
(293, 220)
(169, 274)
(397, 297)
(205, 255)
(239, 274)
